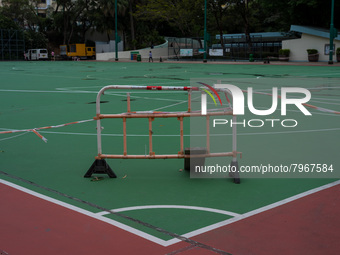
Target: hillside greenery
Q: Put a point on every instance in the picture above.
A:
(142, 23)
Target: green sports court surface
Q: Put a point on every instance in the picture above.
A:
(160, 192)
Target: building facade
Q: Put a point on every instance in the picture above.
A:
(311, 38)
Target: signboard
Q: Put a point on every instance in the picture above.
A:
(186, 53)
(216, 52)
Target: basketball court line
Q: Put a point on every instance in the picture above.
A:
(241, 134)
(143, 207)
(175, 135)
(159, 241)
(49, 91)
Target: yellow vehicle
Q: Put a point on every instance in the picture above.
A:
(77, 51)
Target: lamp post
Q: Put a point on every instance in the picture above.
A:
(205, 32)
(331, 35)
(116, 32)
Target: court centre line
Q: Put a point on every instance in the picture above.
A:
(198, 208)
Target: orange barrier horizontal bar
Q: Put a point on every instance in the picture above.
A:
(165, 156)
(159, 115)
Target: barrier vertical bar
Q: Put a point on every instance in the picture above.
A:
(189, 101)
(208, 134)
(235, 174)
(203, 104)
(150, 137)
(128, 103)
(99, 166)
(181, 135)
(124, 136)
(234, 139)
(99, 127)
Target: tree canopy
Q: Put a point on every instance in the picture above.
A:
(144, 22)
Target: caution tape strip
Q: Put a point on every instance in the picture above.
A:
(35, 130)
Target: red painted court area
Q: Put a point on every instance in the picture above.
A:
(31, 225)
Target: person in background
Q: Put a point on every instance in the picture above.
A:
(150, 56)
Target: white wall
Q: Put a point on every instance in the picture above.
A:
(298, 47)
(126, 55)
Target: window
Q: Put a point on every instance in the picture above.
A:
(73, 48)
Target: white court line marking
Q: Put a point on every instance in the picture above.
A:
(174, 240)
(88, 213)
(177, 135)
(140, 84)
(144, 207)
(254, 212)
(123, 94)
(11, 137)
(117, 94)
(48, 91)
(169, 106)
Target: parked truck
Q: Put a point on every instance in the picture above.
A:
(77, 51)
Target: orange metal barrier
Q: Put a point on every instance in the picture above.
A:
(100, 166)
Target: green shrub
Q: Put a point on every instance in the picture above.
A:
(337, 51)
(312, 51)
(284, 52)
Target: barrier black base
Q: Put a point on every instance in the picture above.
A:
(235, 174)
(190, 163)
(100, 166)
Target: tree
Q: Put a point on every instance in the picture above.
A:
(22, 15)
(20, 11)
(104, 17)
(7, 23)
(219, 9)
(280, 14)
(181, 14)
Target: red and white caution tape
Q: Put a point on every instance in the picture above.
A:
(34, 130)
(39, 135)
